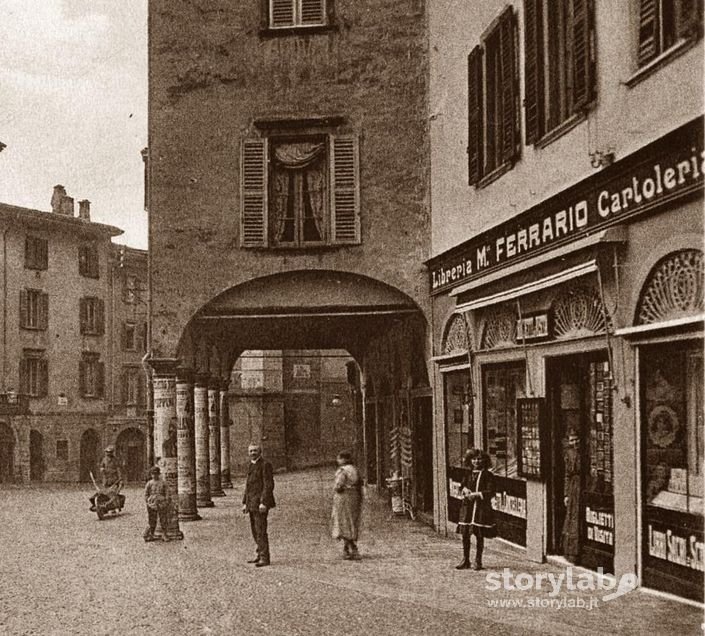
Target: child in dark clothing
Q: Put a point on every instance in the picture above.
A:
(157, 497)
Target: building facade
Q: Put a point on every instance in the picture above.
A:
(288, 203)
(567, 276)
(60, 355)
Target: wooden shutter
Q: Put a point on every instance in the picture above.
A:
(510, 85)
(281, 13)
(82, 378)
(648, 31)
(23, 308)
(140, 389)
(313, 12)
(582, 53)
(345, 189)
(43, 379)
(475, 116)
(533, 69)
(100, 378)
(24, 376)
(82, 315)
(125, 381)
(253, 198)
(45, 254)
(100, 316)
(43, 311)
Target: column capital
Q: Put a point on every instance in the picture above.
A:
(184, 374)
(163, 366)
(214, 383)
(201, 380)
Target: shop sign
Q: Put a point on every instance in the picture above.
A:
(670, 546)
(509, 505)
(665, 170)
(599, 526)
(532, 327)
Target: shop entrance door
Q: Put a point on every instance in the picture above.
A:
(581, 510)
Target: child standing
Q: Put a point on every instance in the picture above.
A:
(157, 497)
(476, 515)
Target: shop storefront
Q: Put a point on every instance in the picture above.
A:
(579, 369)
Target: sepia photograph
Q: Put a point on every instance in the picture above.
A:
(352, 317)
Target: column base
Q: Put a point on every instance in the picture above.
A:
(218, 493)
(189, 516)
(174, 536)
(205, 504)
(225, 481)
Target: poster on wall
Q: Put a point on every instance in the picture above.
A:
(531, 438)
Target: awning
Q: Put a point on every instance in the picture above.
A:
(529, 288)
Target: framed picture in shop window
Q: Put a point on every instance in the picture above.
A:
(532, 440)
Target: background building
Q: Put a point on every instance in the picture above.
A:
(62, 298)
(567, 276)
(288, 202)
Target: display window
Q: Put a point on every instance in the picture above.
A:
(459, 430)
(672, 466)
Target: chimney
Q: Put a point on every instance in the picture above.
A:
(67, 206)
(56, 198)
(84, 210)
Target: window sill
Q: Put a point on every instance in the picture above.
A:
(561, 129)
(322, 247)
(494, 175)
(36, 268)
(268, 32)
(660, 61)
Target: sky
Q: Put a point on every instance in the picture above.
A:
(73, 107)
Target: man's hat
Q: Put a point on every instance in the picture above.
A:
(110, 449)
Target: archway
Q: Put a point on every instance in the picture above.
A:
(36, 456)
(131, 453)
(90, 455)
(7, 453)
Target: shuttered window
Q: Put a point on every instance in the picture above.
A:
(34, 373)
(285, 14)
(131, 380)
(36, 253)
(91, 376)
(34, 309)
(92, 316)
(493, 101)
(559, 63)
(663, 23)
(300, 192)
(88, 261)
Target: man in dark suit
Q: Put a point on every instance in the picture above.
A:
(257, 500)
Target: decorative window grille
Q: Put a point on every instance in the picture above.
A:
(500, 329)
(578, 312)
(674, 289)
(456, 338)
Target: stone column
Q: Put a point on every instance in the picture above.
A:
(200, 409)
(225, 437)
(214, 436)
(164, 401)
(185, 445)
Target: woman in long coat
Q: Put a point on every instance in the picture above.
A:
(476, 515)
(347, 505)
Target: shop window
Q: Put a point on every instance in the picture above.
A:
(494, 142)
(286, 14)
(300, 192)
(34, 309)
(91, 374)
(559, 62)
(458, 405)
(34, 373)
(36, 253)
(62, 449)
(673, 428)
(663, 24)
(92, 316)
(88, 262)
(502, 385)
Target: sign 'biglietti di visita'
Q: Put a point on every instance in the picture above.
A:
(669, 168)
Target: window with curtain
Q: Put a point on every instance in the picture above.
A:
(300, 191)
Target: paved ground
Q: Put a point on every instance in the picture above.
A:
(64, 572)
